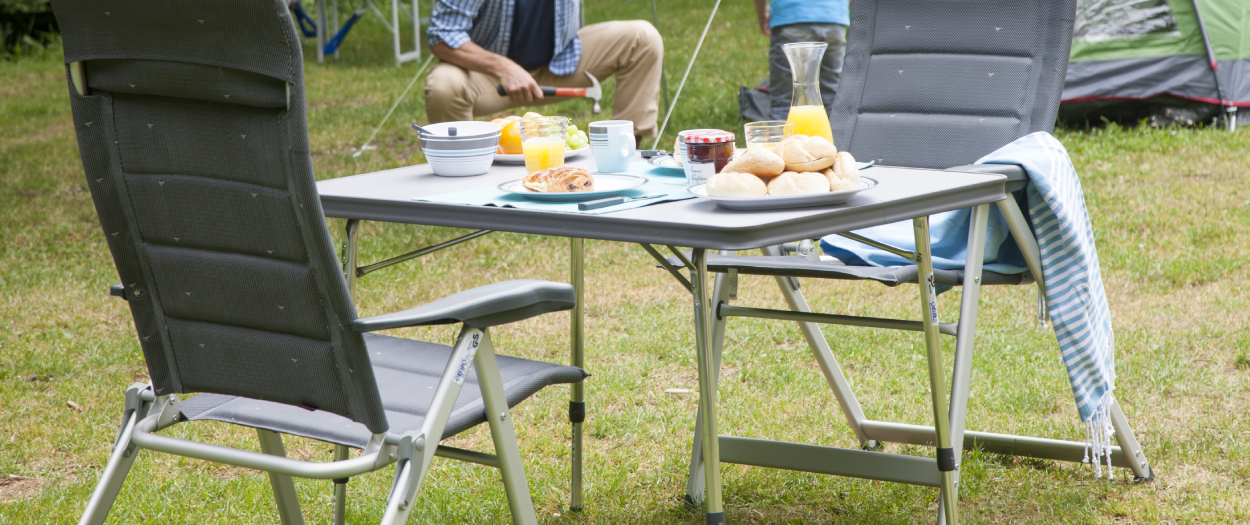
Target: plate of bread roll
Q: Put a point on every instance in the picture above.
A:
(569, 184)
(801, 171)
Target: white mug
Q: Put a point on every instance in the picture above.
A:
(612, 144)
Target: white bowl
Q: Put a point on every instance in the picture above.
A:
(459, 164)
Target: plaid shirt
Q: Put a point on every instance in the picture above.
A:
(488, 23)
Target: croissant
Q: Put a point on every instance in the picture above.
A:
(560, 180)
(843, 175)
(803, 153)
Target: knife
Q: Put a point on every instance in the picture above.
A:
(613, 201)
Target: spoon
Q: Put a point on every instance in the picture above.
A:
(423, 130)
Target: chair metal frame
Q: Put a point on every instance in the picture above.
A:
(577, 329)
(949, 427)
(324, 29)
(146, 414)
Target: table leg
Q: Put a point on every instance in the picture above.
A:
(937, 388)
(707, 390)
(577, 342)
(722, 290)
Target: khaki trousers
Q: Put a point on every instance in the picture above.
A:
(632, 50)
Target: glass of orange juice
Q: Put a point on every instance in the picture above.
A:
(542, 142)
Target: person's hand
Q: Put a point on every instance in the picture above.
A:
(761, 14)
(521, 87)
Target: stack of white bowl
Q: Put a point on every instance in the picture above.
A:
(460, 149)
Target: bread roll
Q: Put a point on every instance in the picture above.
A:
(843, 175)
(759, 162)
(792, 183)
(560, 180)
(803, 153)
(735, 185)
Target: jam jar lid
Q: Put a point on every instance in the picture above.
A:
(709, 137)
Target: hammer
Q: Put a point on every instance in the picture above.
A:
(594, 92)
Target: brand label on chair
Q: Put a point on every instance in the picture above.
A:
(933, 313)
(462, 368)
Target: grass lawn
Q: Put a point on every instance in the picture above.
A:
(1171, 209)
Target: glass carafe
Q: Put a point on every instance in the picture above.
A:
(807, 111)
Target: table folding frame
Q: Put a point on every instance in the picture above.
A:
(712, 313)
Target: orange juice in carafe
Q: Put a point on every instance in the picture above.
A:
(811, 121)
(807, 110)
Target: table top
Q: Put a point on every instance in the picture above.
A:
(902, 193)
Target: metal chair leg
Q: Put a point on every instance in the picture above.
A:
(114, 475)
(501, 431)
(1142, 471)
(414, 463)
(340, 489)
(937, 388)
(283, 486)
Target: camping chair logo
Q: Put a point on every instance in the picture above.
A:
(933, 314)
(462, 369)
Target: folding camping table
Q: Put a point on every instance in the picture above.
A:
(903, 194)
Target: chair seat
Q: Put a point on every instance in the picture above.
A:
(407, 373)
(797, 266)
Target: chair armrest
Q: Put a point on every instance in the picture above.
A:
(481, 307)
(1017, 178)
(118, 290)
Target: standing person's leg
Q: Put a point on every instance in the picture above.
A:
(453, 93)
(831, 65)
(634, 52)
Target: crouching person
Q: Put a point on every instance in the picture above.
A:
(522, 44)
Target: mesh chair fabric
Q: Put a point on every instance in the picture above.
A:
(941, 83)
(209, 203)
(408, 371)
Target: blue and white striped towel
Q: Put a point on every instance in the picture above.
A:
(1074, 291)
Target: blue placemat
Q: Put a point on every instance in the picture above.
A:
(657, 184)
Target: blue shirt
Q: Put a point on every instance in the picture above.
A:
(488, 23)
(533, 33)
(786, 12)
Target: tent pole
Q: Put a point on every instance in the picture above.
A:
(655, 15)
(685, 76)
(1230, 111)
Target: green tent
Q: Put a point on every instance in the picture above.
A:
(1129, 53)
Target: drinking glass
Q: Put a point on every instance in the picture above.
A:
(766, 134)
(542, 142)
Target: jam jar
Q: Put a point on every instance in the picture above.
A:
(708, 152)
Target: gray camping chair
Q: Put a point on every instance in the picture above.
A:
(931, 85)
(191, 125)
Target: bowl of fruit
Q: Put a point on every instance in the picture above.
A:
(509, 150)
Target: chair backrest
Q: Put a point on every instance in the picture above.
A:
(191, 125)
(941, 83)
